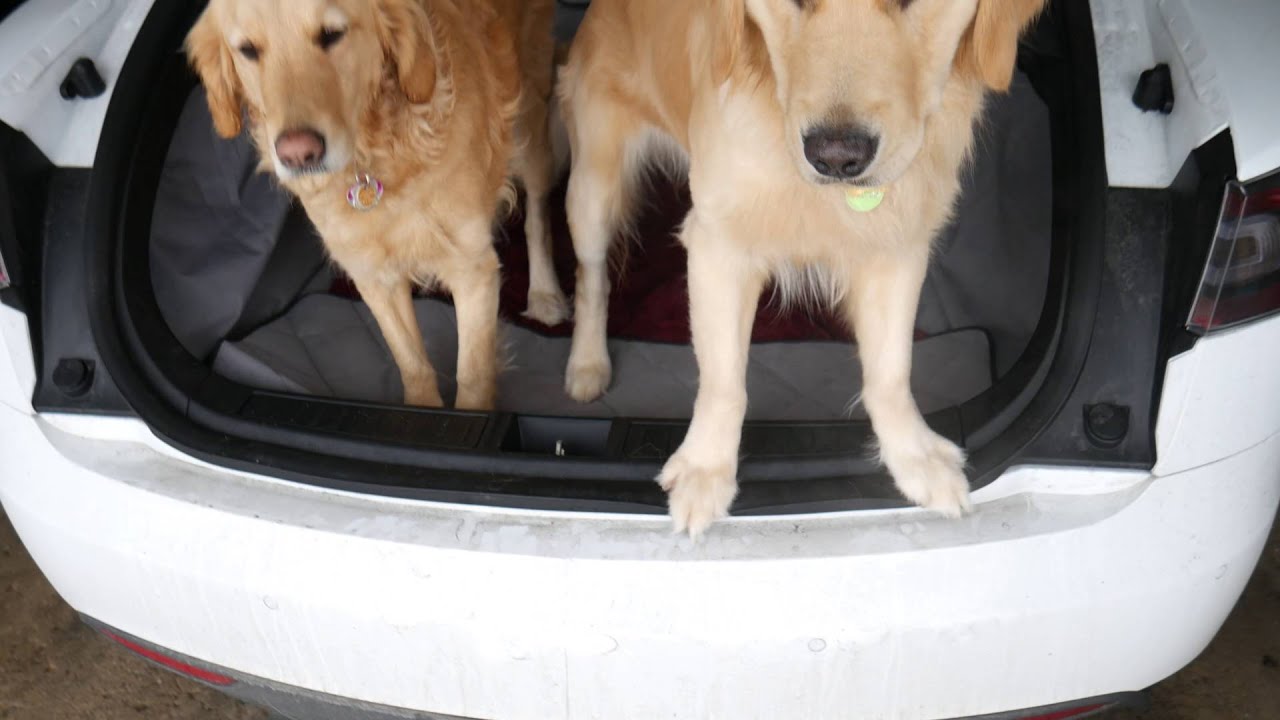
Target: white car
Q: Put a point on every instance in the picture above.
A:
(213, 487)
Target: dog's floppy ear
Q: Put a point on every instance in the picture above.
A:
(212, 61)
(407, 41)
(990, 47)
(730, 24)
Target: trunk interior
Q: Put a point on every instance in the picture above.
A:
(238, 322)
(242, 281)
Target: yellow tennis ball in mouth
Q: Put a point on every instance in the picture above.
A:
(863, 199)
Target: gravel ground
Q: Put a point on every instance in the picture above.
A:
(53, 666)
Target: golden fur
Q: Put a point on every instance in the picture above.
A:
(441, 100)
(736, 84)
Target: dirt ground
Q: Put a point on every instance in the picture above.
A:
(53, 666)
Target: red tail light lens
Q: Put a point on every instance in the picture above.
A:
(174, 664)
(1241, 279)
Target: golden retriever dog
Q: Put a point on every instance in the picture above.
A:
(823, 141)
(399, 125)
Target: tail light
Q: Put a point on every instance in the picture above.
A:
(1241, 279)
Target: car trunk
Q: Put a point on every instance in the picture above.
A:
(223, 324)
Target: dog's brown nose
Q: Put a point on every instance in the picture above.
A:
(840, 152)
(301, 149)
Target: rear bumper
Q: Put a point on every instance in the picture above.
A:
(293, 703)
(1064, 584)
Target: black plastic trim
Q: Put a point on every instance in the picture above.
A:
(1103, 705)
(65, 303)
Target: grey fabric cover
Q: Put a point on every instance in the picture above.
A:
(991, 266)
(331, 346)
(217, 226)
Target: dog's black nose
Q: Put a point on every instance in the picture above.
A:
(300, 149)
(840, 152)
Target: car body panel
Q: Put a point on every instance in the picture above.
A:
(1241, 41)
(17, 364)
(1221, 60)
(1220, 397)
(1064, 583)
(39, 42)
(1050, 591)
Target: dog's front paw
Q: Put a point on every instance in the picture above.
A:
(547, 307)
(929, 471)
(697, 494)
(587, 380)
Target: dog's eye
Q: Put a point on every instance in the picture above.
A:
(249, 50)
(328, 37)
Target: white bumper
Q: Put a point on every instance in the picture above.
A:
(1064, 584)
